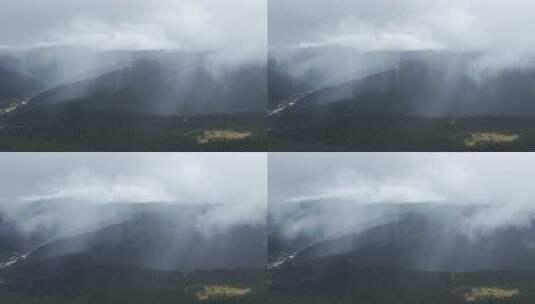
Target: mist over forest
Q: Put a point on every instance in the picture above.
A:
(162, 77)
(425, 227)
(404, 76)
(82, 226)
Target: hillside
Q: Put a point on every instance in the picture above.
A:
(422, 255)
(129, 253)
(415, 101)
(131, 101)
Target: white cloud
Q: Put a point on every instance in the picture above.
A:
(502, 27)
(341, 184)
(84, 186)
(181, 178)
(232, 28)
(453, 178)
(361, 191)
(235, 184)
(92, 34)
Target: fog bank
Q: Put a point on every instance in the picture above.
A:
(333, 192)
(207, 25)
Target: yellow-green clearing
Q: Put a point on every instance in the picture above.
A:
(485, 138)
(221, 135)
(484, 293)
(215, 291)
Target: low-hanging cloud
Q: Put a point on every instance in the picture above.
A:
(500, 183)
(82, 185)
(236, 29)
(234, 184)
(118, 177)
(461, 25)
(501, 29)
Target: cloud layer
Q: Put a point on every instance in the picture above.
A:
(344, 191)
(479, 25)
(502, 179)
(84, 191)
(236, 27)
(197, 178)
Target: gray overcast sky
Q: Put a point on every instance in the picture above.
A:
(231, 178)
(223, 25)
(492, 178)
(492, 25)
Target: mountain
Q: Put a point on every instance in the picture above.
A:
(135, 253)
(433, 89)
(309, 223)
(424, 255)
(149, 242)
(166, 87)
(418, 243)
(164, 100)
(15, 85)
(422, 237)
(12, 238)
(403, 104)
(148, 236)
(163, 83)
